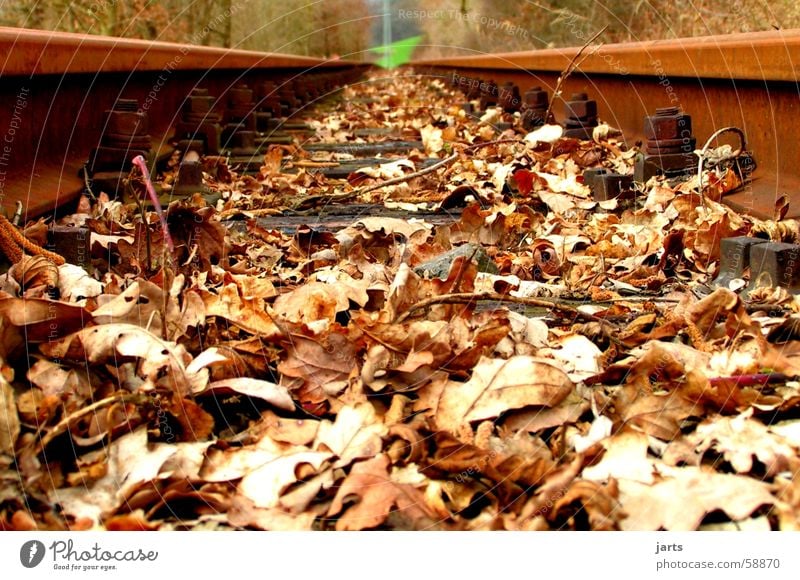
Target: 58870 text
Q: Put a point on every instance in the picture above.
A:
(742, 564)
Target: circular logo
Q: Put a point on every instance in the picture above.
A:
(31, 553)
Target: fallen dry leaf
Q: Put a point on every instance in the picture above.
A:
(498, 386)
(260, 389)
(355, 434)
(9, 420)
(741, 440)
(697, 491)
(377, 496)
(559, 368)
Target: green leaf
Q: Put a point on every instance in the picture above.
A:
(396, 54)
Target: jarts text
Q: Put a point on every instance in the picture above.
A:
(661, 548)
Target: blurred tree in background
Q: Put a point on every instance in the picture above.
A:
(308, 27)
(327, 28)
(464, 26)
(348, 28)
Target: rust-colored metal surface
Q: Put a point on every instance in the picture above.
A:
(56, 87)
(746, 80)
(773, 55)
(37, 52)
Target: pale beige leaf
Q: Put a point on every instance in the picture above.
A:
(740, 439)
(264, 484)
(131, 462)
(234, 463)
(545, 134)
(265, 390)
(356, 433)
(625, 458)
(576, 355)
(313, 301)
(243, 513)
(74, 283)
(686, 496)
(498, 386)
(431, 139)
(9, 420)
(142, 303)
(378, 497)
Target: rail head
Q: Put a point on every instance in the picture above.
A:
(36, 52)
(759, 56)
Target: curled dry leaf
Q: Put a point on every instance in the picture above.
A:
(514, 473)
(600, 502)
(697, 491)
(741, 440)
(131, 463)
(259, 389)
(659, 415)
(264, 483)
(43, 320)
(267, 469)
(99, 344)
(317, 367)
(75, 284)
(33, 271)
(545, 134)
(249, 314)
(431, 139)
(142, 304)
(377, 497)
(545, 259)
(292, 431)
(355, 434)
(498, 386)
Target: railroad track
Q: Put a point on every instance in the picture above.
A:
(328, 305)
(748, 81)
(59, 90)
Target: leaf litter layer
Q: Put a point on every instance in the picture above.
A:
(571, 368)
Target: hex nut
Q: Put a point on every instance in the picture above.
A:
(658, 128)
(580, 109)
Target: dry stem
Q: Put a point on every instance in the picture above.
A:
(571, 67)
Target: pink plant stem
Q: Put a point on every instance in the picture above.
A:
(139, 162)
(750, 380)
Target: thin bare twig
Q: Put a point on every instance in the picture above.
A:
(408, 177)
(469, 298)
(571, 67)
(394, 181)
(487, 143)
(65, 423)
(401, 179)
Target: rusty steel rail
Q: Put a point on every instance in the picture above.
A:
(745, 80)
(55, 89)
